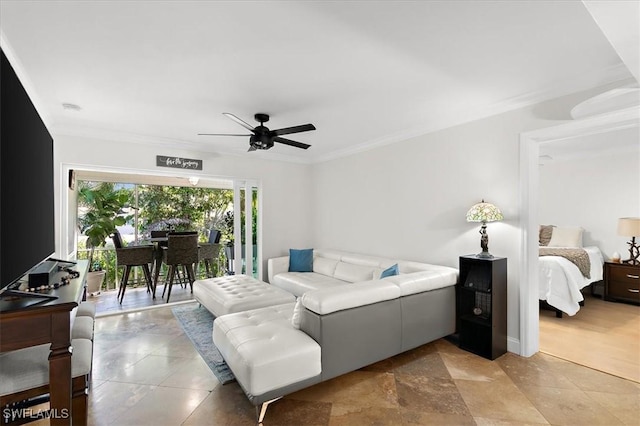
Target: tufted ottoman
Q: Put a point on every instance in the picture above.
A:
(237, 293)
(267, 354)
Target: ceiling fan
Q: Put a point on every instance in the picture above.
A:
(263, 138)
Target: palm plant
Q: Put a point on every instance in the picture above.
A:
(103, 212)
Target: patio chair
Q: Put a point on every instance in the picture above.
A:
(209, 252)
(133, 256)
(181, 251)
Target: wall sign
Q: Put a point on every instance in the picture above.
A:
(178, 162)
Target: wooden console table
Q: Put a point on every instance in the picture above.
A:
(29, 322)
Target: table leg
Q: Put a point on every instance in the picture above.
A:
(157, 264)
(60, 369)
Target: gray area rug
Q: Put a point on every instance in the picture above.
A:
(197, 323)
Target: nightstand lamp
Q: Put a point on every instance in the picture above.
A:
(630, 227)
(484, 212)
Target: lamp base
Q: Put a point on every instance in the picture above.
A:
(484, 255)
(634, 253)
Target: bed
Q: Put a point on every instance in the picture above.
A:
(560, 280)
(565, 268)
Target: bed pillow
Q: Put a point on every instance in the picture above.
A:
(545, 234)
(301, 260)
(566, 237)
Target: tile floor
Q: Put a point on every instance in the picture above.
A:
(147, 372)
(136, 298)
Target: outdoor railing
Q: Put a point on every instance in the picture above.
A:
(106, 258)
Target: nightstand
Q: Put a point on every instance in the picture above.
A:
(621, 282)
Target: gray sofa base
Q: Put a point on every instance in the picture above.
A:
(354, 338)
(428, 316)
(280, 392)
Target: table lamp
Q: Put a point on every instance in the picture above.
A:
(630, 227)
(484, 212)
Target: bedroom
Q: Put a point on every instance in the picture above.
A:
(584, 182)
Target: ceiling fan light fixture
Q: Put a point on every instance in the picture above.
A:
(263, 137)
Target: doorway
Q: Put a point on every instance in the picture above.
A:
(529, 190)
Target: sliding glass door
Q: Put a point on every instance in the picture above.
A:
(247, 258)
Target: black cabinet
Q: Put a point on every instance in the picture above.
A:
(481, 311)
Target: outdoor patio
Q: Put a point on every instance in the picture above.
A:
(136, 298)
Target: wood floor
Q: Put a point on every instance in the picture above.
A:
(603, 335)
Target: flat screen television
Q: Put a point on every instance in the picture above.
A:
(27, 234)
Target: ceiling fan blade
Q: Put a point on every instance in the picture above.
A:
(294, 129)
(238, 120)
(291, 143)
(252, 148)
(219, 134)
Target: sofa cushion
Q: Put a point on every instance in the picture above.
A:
(328, 300)
(263, 349)
(362, 259)
(301, 260)
(328, 254)
(297, 283)
(236, 293)
(353, 273)
(407, 267)
(390, 271)
(324, 266)
(418, 282)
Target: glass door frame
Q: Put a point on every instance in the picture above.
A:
(247, 187)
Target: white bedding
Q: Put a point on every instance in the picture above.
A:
(561, 280)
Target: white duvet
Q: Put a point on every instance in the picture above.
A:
(561, 280)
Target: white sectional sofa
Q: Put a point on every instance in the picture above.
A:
(346, 317)
(334, 268)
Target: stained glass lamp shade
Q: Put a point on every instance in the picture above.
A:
(484, 212)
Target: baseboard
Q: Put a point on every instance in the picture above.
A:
(513, 345)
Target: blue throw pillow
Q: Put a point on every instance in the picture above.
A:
(301, 260)
(390, 271)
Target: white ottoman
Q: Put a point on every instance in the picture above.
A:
(265, 351)
(237, 293)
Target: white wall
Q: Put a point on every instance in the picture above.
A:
(593, 192)
(409, 199)
(286, 197)
(405, 200)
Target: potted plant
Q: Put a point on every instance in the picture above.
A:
(102, 205)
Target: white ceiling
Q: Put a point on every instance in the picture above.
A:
(364, 73)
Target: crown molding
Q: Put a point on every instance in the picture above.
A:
(615, 74)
